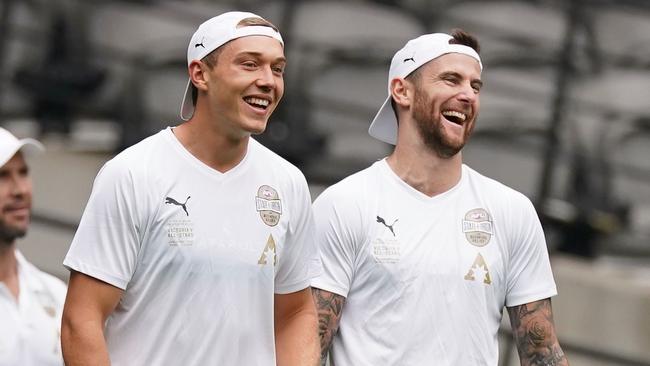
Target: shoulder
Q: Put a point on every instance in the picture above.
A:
(495, 190)
(40, 278)
(54, 284)
(137, 159)
(348, 195)
(140, 154)
(276, 165)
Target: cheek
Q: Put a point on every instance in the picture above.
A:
(279, 88)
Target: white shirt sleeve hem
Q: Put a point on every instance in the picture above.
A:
(295, 287)
(95, 273)
(329, 287)
(528, 298)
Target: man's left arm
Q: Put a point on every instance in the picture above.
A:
(534, 332)
(296, 329)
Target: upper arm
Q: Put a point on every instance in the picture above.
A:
(339, 233)
(288, 305)
(529, 275)
(534, 332)
(298, 261)
(89, 299)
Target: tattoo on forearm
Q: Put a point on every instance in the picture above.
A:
(329, 308)
(534, 332)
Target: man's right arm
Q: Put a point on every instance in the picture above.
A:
(87, 305)
(329, 307)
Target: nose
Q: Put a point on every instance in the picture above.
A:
(20, 185)
(467, 94)
(266, 79)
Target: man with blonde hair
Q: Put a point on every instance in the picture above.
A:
(196, 244)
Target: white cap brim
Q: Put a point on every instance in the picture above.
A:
(187, 107)
(384, 125)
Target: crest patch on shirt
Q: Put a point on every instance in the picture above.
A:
(477, 226)
(268, 204)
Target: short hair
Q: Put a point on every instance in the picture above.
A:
(211, 58)
(459, 36)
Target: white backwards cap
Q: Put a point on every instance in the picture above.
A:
(9, 146)
(214, 33)
(414, 54)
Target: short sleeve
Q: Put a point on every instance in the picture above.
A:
(299, 261)
(107, 241)
(529, 276)
(336, 225)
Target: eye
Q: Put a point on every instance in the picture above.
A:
(278, 69)
(451, 80)
(249, 64)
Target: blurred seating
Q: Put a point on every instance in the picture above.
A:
(338, 54)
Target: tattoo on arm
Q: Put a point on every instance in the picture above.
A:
(534, 332)
(329, 307)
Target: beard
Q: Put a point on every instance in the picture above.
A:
(9, 234)
(431, 128)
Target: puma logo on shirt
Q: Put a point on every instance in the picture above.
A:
(383, 222)
(171, 201)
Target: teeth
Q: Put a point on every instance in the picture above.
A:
(258, 101)
(456, 114)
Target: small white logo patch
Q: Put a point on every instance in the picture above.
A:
(386, 250)
(477, 226)
(180, 232)
(269, 205)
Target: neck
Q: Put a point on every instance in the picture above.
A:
(424, 170)
(8, 262)
(210, 145)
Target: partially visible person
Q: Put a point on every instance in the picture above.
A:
(420, 252)
(31, 301)
(196, 246)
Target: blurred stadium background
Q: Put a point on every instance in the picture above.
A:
(565, 119)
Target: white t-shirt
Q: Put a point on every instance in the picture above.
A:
(30, 328)
(199, 253)
(426, 278)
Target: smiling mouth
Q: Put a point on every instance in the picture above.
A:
(455, 117)
(257, 102)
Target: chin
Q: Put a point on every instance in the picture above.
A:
(257, 130)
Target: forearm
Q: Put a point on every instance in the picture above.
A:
(83, 343)
(296, 339)
(329, 307)
(535, 335)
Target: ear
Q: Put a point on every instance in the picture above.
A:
(198, 74)
(400, 90)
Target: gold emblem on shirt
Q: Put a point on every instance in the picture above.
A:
(479, 269)
(269, 249)
(268, 204)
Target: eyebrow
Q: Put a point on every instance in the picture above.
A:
(260, 55)
(474, 82)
